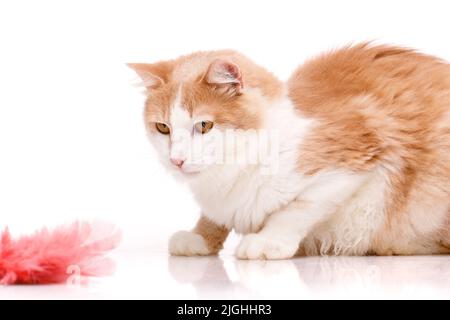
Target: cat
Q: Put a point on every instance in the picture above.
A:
(362, 151)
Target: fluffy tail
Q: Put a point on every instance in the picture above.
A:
(75, 250)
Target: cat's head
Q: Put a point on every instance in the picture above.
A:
(195, 102)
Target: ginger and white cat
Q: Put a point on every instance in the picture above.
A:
(362, 155)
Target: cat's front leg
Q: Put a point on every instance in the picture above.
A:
(278, 239)
(283, 230)
(207, 238)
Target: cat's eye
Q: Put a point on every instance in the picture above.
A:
(162, 128)
(203, 126)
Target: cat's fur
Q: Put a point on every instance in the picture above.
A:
(363, 157)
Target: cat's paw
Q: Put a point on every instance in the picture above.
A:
(186, 243)
(258, 246)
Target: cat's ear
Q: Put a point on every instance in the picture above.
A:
(152, 75)
(225, 73)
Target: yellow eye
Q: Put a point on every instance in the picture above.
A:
(162, 128)
(204, 126)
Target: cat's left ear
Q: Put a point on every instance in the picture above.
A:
(225, 73)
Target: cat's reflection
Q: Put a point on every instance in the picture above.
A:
(207, 275)
(314, 276)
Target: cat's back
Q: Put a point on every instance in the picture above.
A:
(393, 76)
(382, 110)
(385, 105)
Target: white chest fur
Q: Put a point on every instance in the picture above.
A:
(241, 196)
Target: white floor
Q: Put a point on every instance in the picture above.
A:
(154, 275)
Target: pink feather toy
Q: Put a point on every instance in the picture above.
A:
(48, 257)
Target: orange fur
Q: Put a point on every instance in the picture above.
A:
(385, 108)
(237, 111)
(213, 234)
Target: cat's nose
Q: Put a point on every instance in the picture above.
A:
(177, 162)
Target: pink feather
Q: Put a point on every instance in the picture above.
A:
(53, 256)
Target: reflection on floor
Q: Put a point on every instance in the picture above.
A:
(145, 275)
(317, 277)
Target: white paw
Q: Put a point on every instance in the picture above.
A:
(185, 243)
(258, 246)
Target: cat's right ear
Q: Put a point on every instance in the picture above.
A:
(152, 75)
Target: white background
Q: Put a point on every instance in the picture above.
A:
(72, 142)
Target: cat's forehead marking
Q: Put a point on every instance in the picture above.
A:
(179, 115)
(190, 68)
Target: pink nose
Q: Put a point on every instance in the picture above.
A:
(177, 162)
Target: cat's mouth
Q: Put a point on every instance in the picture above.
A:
(189, 170)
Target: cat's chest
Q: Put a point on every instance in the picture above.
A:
(242, 199)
